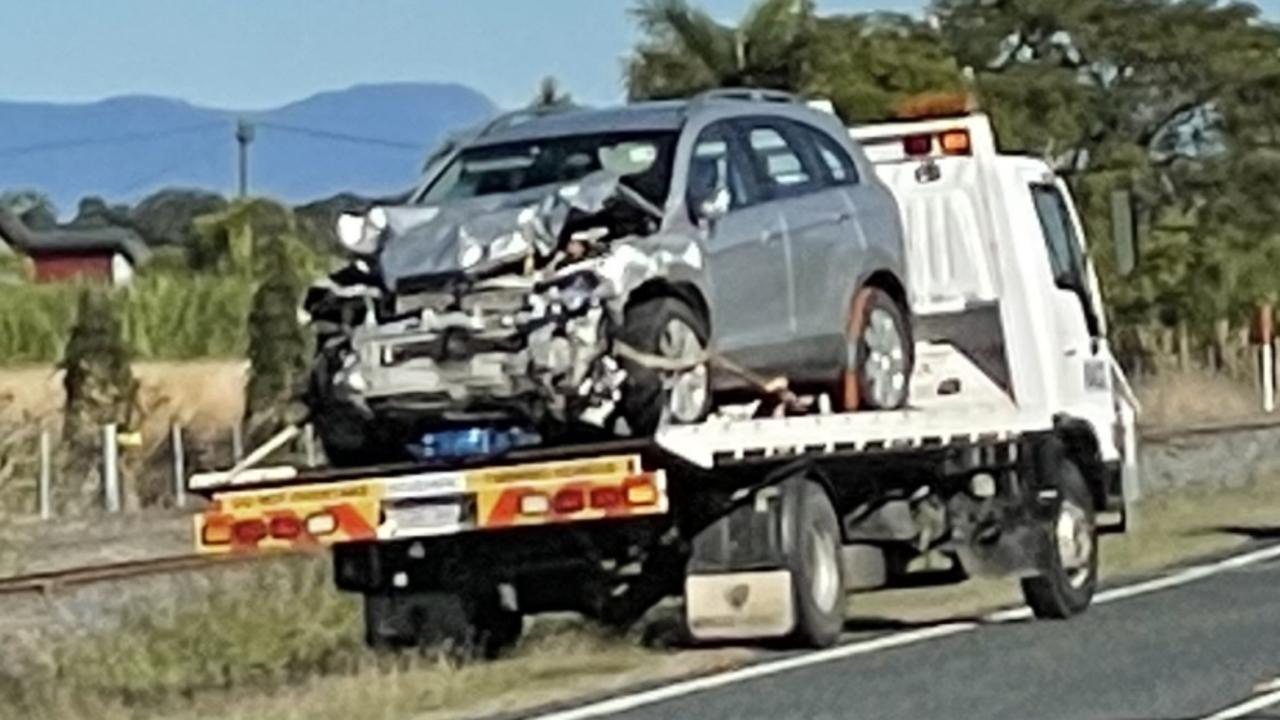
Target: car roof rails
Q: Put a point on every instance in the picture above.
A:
(515, 117)
(748, 94)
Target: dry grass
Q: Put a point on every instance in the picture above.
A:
(1174, 399)
(204, 393)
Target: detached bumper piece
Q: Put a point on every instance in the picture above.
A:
(430, 504)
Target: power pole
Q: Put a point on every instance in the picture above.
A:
(244, 136)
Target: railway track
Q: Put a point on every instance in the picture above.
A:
(54, 580)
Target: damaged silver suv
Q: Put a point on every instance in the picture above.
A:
(611, 271)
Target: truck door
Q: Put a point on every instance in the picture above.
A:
(1091, 384)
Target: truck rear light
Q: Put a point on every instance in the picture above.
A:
(917, 145)
(285, 527)
(955, 142)
(534, 503)
(249, 532)
(216, 532)
(321, 524)
(569, 500)
(606, 497)
(640, 491)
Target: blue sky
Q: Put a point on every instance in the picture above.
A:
(253, 54)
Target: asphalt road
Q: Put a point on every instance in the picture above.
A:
(1182, 652)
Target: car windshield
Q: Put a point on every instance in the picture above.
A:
(529, 164)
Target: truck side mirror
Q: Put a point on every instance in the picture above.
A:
(1124, 231)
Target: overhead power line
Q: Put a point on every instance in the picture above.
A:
(119, 139)
(342, 137)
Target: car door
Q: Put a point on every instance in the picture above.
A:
(745, 249)
(787, 167)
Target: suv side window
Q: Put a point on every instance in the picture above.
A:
(781, 162)
(841, 169)
(716, 164)
(1066, 260)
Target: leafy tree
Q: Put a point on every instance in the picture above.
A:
(865, 64)
(98, 381)
(33, 207)
(869, 65)
(550, 95)
(95, 213)
(278, 345)
(168, 217)
(686, 51)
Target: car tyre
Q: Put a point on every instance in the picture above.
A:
(811, 533)
(1067, 583)
(667, 327)
(880, 353)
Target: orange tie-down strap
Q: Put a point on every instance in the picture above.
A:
(290, 519)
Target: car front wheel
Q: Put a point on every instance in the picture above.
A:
(652, 398)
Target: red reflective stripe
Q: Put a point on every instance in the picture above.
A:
(352, 523)
(505, 509)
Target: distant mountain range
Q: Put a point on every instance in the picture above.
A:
(368, 139)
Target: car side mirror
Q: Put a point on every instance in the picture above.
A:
(1124, 231)
(715, 206)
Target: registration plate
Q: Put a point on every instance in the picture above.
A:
(425, 518)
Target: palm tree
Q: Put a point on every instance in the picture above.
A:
(685, 50)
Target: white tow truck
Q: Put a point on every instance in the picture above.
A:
(1018, 444)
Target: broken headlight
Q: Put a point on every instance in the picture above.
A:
(361, 234)
(575, 292)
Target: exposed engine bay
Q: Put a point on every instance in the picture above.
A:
(498, 312)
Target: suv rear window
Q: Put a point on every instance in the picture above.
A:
(515, 167)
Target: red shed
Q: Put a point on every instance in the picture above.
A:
(105, 254)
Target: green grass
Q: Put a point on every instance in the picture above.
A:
(165, 317)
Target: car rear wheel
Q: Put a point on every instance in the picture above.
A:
(879, 353)
(651, 398)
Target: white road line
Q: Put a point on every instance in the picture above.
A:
(1182, 577)
(688, 687)
(1247, 707)
(751, 672)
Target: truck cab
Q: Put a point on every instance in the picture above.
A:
(1003, 289)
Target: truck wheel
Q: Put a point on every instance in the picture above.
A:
(463, 625)
(1066, 586)
(669, 328)
(879, 353)
(811, 536)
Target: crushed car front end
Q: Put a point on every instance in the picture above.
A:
(493, 318)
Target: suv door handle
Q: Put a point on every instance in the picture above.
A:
(769, 237)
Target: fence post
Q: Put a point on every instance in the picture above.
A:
(237, 442)
(110, 468)
(46, 475)
(179, 466)
(309, 444)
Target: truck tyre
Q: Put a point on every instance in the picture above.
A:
(1067, 583)
(667, 327)
(811, 541)
(462, 625)
(879, 354)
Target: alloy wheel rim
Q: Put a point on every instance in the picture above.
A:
(686, 392)
(824, 585)
(885, 366)
(1075, 543)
